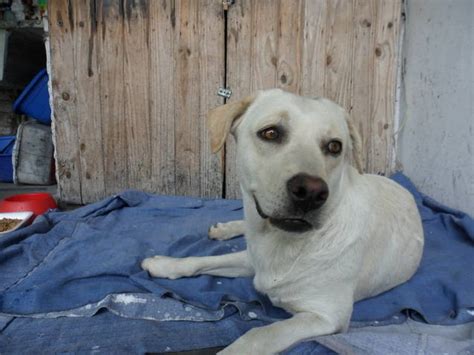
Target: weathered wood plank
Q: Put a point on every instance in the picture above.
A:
(239, 77)
(387, 32)
(111, 67)
(187, 145)
(365, 12)
(162, 94)
(145, 76)
(264, 49)
(68, 167)
(211, 72)
(199, 56)
(339, 44)
(290, 45)
(314, 49)
(88, 101)
(137, 84)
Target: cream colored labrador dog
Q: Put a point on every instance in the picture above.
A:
(320, 234)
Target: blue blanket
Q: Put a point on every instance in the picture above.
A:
(76, 263)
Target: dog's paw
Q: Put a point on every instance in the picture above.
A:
(225, 231)
(218, 232)
(164, 266)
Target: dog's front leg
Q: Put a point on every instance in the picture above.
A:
(227, 265)
(277, 337)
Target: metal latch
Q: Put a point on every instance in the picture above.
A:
(223, 92)
(226, 4)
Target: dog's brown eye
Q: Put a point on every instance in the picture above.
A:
(334, 147)
(269, 134)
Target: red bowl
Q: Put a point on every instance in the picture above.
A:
(38, 203)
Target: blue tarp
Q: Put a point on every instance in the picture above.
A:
(75, 263)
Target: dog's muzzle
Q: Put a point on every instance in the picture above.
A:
(294, 225)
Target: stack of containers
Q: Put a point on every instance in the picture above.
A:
(6, 149)
(34, 100)
(31, 159)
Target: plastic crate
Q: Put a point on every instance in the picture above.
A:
(6, 166)
(34, 100)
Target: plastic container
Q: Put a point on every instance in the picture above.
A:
(37, 202)
(34, 100)
(33, 155)
(6, 165)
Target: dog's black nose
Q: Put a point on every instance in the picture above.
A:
(307, 192)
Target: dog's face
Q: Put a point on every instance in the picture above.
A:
(291, 154)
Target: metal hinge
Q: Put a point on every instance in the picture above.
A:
(227, 93)
(227, 3)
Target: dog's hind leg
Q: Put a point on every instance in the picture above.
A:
(229, 230)
(227, 265)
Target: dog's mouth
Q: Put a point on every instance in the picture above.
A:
(295, 225)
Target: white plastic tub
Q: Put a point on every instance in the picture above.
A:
(33, 155)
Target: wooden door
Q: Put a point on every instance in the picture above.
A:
(133, 80)
(132, 83)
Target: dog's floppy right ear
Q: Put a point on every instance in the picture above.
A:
(220, 120)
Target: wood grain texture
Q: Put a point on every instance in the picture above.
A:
(68, 166)
(136, 95)
(365, 13)
(264, 17)
(86, 76)
(187, 60)
(313, 51)
(187, 146)
(132, 111)
(339, 47)
(111, 82)
(290, 45)
(387, 32)
(162, 94)
(211, 73)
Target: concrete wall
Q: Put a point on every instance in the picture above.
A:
(437, 140)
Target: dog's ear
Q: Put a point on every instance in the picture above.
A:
(220, 120)
(354, 135)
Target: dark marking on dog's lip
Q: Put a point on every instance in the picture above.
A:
(295, 225)
(259, 209)
(291, 224)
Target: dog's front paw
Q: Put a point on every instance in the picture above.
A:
(224, 231)
(164, 266)
(217, 232)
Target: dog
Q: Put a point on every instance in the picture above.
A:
(320, 233)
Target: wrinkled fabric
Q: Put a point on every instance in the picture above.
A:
(111, 334)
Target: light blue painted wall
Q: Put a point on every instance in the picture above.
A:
(436, 143)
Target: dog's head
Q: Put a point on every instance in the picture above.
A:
(292, 154)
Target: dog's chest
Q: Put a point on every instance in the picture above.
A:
(279, 270)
